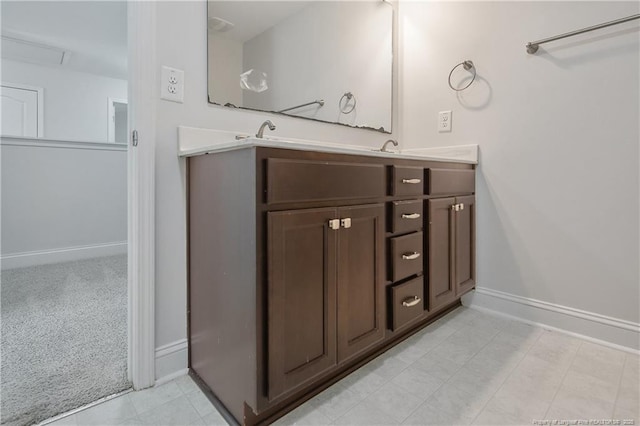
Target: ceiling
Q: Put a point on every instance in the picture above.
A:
(253, 17)
(92, 33)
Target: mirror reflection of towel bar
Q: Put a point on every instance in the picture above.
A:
(317, 101)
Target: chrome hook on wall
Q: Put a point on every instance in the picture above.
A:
(467, 65)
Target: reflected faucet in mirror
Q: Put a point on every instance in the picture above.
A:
(260, 133)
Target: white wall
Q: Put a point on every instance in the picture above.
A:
(543, 215)
(321, 52)
(75, 103)
(558, 132)
(61, 201)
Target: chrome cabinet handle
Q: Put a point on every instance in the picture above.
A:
(334, 224)
(411, 256)
(410, 215)
(461, 206)
(411, 301)
(346, 222)
(411, 180)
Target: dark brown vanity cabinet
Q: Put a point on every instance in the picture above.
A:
(305, 265)
(440, 260)
(360, 279)
(451, 244)
(325, 290)
(465, 244)
(301, 297)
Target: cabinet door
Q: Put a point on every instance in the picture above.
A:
(301, 297)
(465, 244)
(360, 279)
(440, 252)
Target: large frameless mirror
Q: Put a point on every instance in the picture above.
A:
(329, 61)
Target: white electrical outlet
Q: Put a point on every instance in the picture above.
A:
(172, 84)
(444, 121)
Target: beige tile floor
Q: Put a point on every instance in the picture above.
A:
(466, 368)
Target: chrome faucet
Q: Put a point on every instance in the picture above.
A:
(260, 133)
(384, 147)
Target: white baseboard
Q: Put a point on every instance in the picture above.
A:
(171, 361)
(609, 331)
(65, 254)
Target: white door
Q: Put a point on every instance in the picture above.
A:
(20, 110)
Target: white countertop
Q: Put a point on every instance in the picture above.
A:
(194, 141)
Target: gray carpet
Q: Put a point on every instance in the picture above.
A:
(64, 337)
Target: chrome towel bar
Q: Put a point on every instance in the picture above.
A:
(532, 46)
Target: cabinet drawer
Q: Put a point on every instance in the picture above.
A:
(406, 302)
(408, 180)
(304, 180)
(406, 256)
(406, 216)
(450, 181)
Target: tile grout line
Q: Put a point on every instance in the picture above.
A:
(135, 410)
(615, 401)
(506, 377)
(128, 396)
(186, 396)
(193, 406)
(160, 405)
(458, 329)
(564, 376)
(408, 365)
(451, 377)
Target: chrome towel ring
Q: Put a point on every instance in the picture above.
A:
(467, 65)
(343, 108)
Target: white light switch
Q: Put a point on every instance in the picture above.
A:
(444, 121)
(172, 84)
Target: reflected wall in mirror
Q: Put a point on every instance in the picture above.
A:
(324, 60)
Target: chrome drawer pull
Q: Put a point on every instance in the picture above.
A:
(411, 301)
(410, 215)
(411, 180)
(334, 224)
(411, 256)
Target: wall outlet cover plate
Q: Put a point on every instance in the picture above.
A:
(444, 121)
(172, 84)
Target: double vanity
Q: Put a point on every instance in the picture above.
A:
(307, 260)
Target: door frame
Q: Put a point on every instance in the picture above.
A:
(141, 25)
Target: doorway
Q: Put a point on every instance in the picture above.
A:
(67, 159)
(118, 120)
